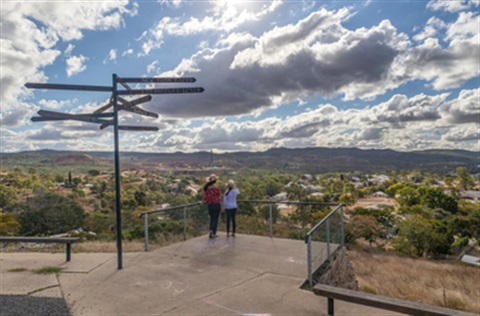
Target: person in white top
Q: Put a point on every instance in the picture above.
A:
(230, 202)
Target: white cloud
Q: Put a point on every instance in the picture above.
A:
(29, 38)
(113, 54)
(402, 123)
(153, 66)
(465, 28)
(315, 56)
(68, 50)
(464, 109)
(127, 52)
(452, 5)
(75, 65)
(171, 3)
(319, 56)
(431, 29)
(446, 67)
(224, 16)
(55, 104)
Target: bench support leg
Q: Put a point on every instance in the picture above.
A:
(330, 307)
(69, 250)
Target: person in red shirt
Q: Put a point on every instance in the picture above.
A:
(212, 196)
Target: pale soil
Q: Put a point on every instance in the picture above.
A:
(371, 201)
(440, 283)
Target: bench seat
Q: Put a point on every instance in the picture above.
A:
(59, 240)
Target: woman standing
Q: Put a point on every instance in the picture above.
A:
(213, 197)
(230, 200)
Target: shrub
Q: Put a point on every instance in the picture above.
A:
(48, 213)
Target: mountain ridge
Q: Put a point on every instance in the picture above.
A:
(311, 159)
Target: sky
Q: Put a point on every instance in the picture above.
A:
(401, 75)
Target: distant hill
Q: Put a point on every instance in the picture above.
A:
(308, 160)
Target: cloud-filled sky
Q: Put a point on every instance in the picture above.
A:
(400, 75)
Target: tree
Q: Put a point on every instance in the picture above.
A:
(408, 196)
(435, 198)
(465, 180)
(77, 191)
(466, 221)
(8, 196)
(347, 199)
(364, 226)
(93, 172)
(9, 225)
(265, 211)
(59, 178)
(413, 235)
(48, 213)
(272, 188)
(141, 198)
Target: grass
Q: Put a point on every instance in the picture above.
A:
(48, 270)
(18, 270)
(440, 283)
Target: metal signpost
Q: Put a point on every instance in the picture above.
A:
(111, 118)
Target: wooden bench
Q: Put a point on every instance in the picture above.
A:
(59, 240)
(383, 302)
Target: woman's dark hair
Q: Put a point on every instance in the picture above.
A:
(209, 183)
(229, 189)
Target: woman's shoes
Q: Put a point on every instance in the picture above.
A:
(210, 235)
(233, 234)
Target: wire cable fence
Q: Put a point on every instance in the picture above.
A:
(323, 240)
(261, 220)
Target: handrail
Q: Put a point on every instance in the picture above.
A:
(308, 240)
(270, 202)
(383, 302)
(169, 209)
(290, 202)
(324, 220)
(240, 201)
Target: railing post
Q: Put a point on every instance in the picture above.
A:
(309, 260)
(328, 237)
(69, 251)
(271, 221)
(146, 230)
(341, 226)
(331, 311)
(184, 223)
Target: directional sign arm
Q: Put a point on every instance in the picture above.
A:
(162, 91)
(56, 86)
(136, 101)
(133, 128)
(55, 116)
(130, 106)
(125, 85)
(138, 128)
(157, 79)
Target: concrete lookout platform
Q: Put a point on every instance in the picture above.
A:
(242, 275)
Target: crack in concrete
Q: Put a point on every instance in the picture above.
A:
(43, 289)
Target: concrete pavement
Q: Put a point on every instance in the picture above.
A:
(243, 275)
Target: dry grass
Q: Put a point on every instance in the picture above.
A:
(109, 246)
(96, 245)
(438, 283)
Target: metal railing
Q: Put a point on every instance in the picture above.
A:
(184, 207)
(323, 240)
